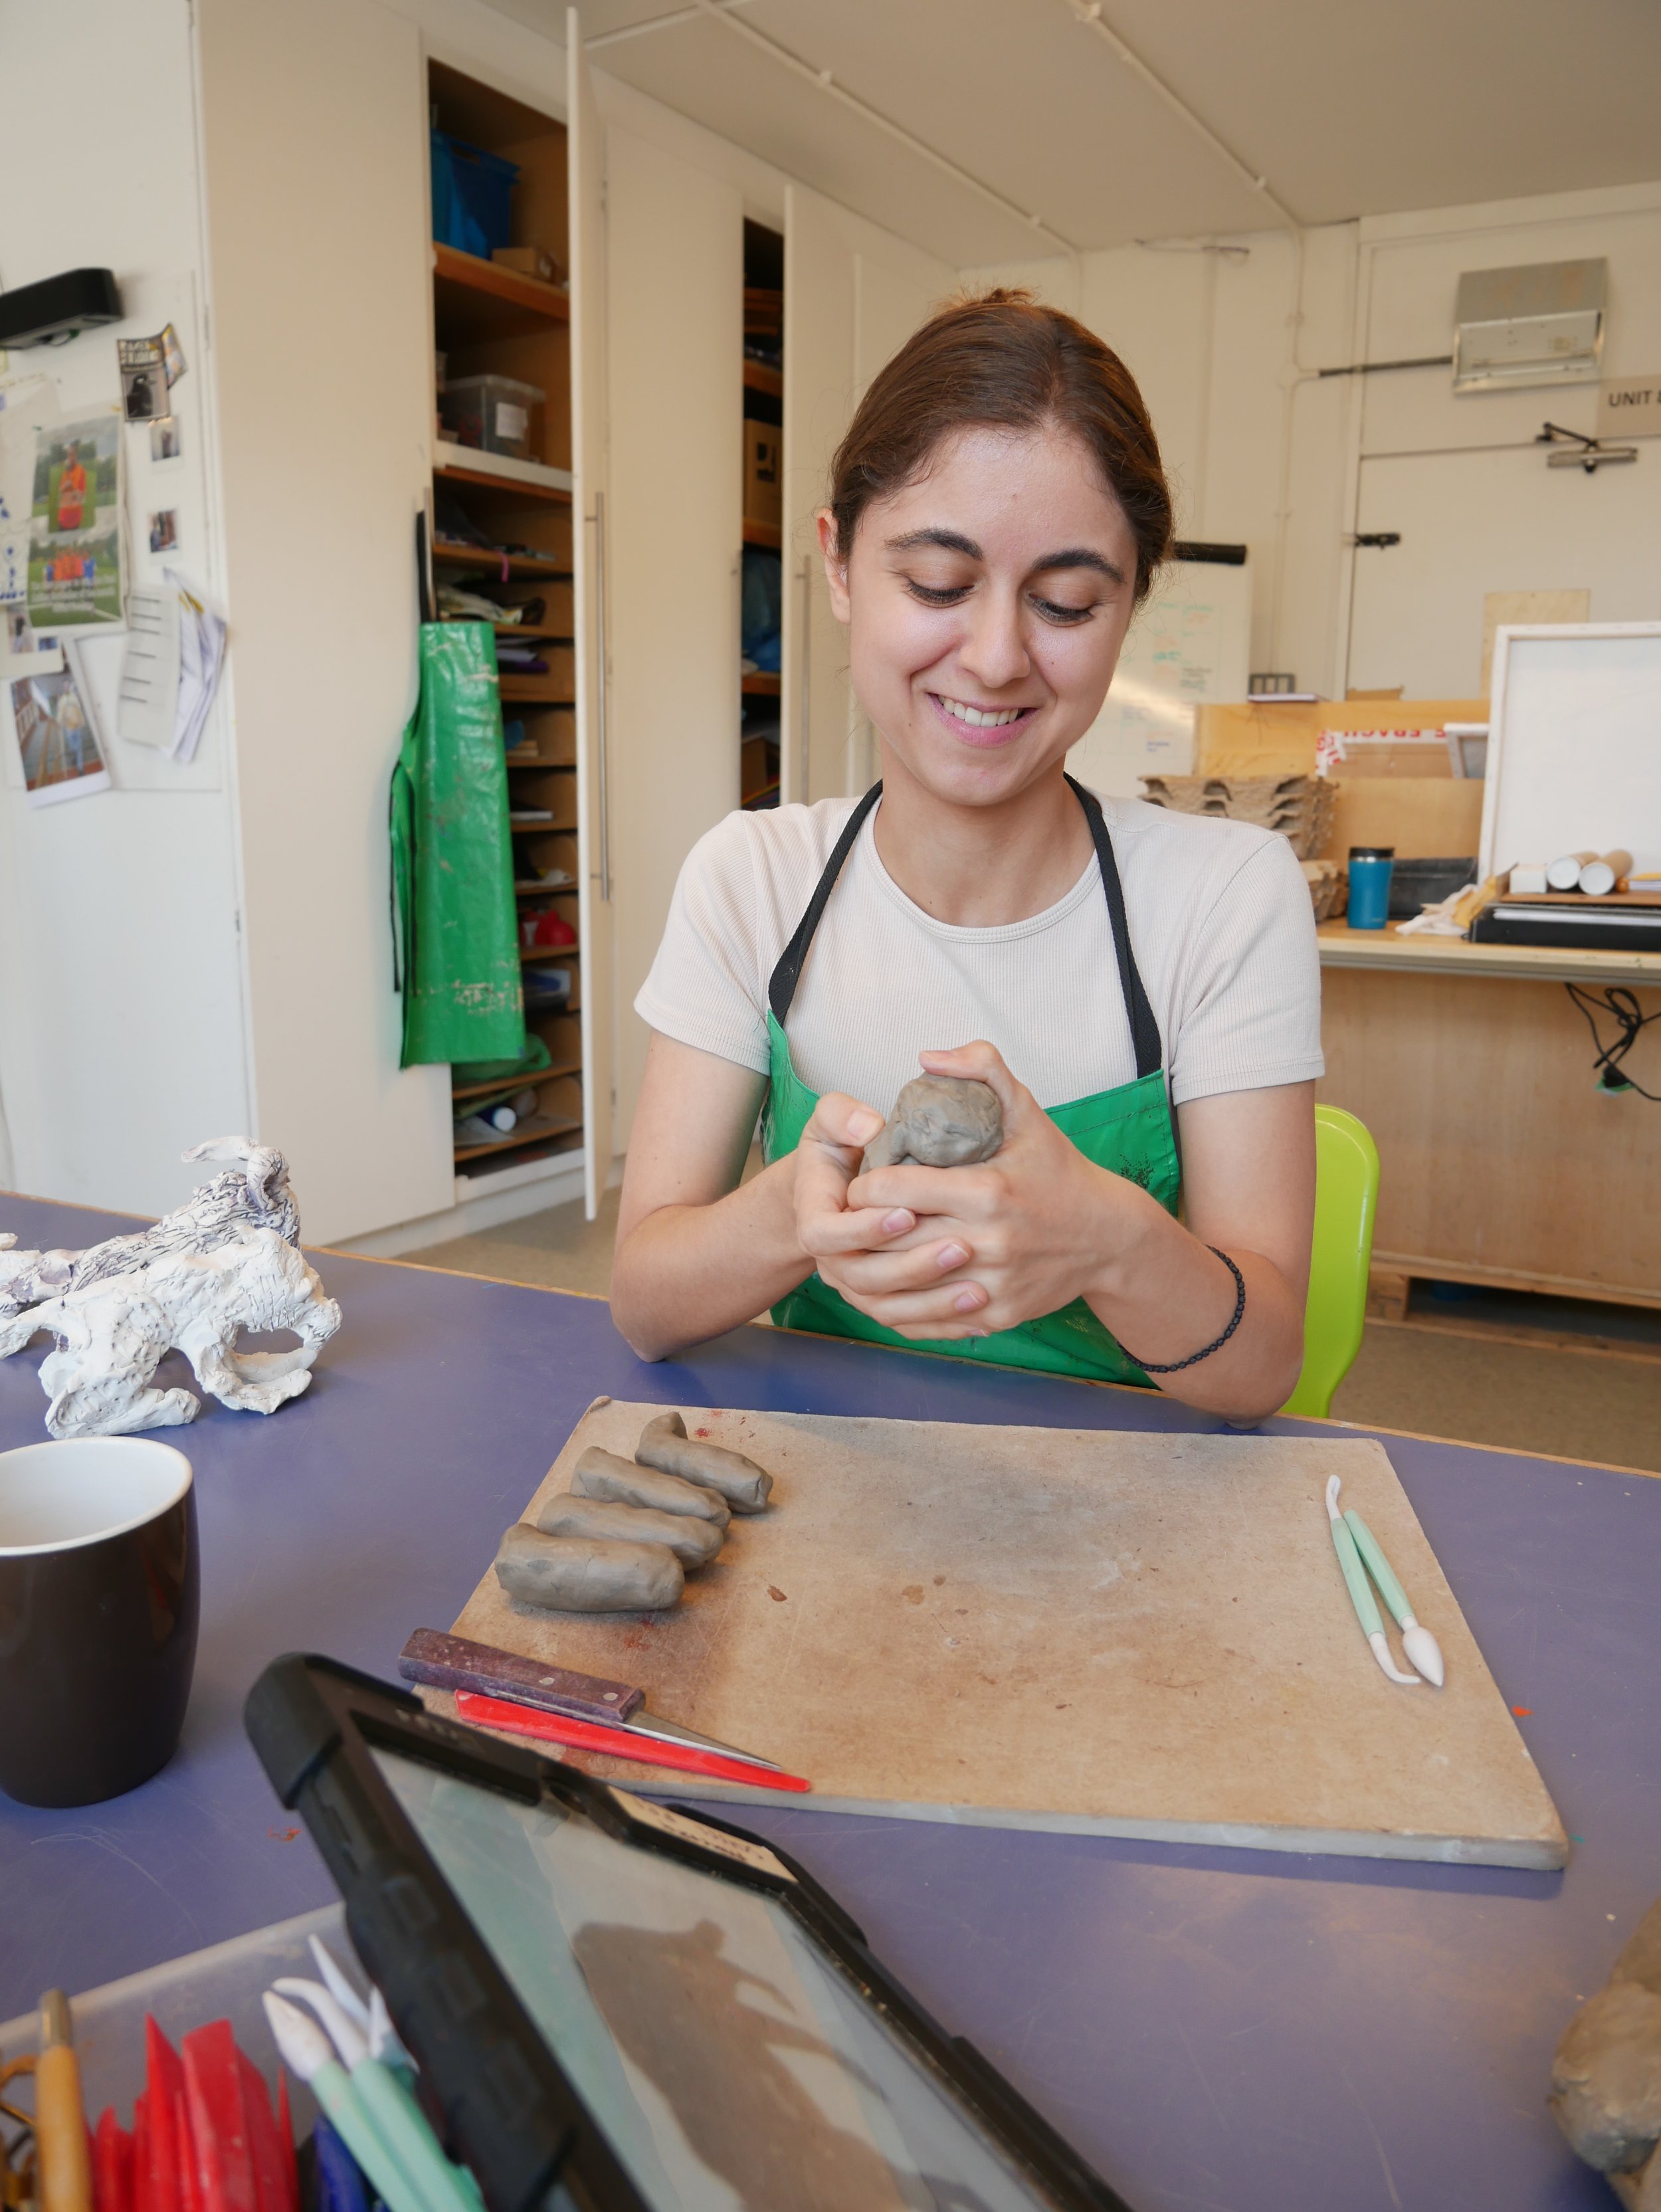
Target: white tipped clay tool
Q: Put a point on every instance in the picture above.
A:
(1355, 1542)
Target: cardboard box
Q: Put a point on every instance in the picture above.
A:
(1261, 737)
(1424, 818)
(764, 470)
(530, 261)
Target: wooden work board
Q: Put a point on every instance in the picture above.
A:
(1089, 1630)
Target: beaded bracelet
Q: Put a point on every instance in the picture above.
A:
(1175, 1366)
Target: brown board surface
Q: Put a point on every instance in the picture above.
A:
(1089, 1630)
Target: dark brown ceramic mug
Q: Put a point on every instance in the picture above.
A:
(99, 1588)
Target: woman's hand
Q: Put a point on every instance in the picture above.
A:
(1020, 1235)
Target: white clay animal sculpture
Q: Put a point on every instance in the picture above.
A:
(255, 1194)
(114, 1332)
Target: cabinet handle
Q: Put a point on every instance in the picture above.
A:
(602, 745)
(804, 697)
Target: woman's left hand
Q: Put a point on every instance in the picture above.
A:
(1041, 1226)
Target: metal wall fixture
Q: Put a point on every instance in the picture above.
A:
(1571, 450)
(1539, 324)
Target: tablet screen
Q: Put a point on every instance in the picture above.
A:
(732, 2063)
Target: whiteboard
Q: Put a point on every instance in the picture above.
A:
(1188, 646)
(1574, 743)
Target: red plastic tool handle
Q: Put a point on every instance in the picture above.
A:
(616, 1742)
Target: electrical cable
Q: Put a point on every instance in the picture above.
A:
(1630, 1020)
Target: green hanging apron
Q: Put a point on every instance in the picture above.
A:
(455, 929)
(1127, 1130)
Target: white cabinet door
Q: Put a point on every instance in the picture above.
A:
(819, 332)
(854, 294)
(675, 241)
(586, 155)
(1494, 520)
(320, 497)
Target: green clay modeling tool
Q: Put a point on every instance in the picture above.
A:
(1420, 1645)
(1361, 1590)
(394, 2118)
(305, 2051)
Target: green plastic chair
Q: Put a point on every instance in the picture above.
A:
(1346, 1200)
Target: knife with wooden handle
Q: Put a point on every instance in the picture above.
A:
(454, 1662)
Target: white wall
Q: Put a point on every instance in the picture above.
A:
(675, 336)
(122, 1035)
(1225, 337)
(316, 164)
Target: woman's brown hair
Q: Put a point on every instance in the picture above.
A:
(1001, 361)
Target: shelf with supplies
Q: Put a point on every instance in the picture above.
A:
(1343, 947)
(539, 760)
(516, 629)
(533, 1130)
(759, 683)
(764, 533)
(475, 301)
(448, 554)
(758, 377)
(514, 490)
(503, 377)
(479, 1094)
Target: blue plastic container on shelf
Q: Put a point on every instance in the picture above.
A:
(472, 196)
(1370, 870)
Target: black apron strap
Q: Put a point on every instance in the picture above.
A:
(781, 987)
(1144, 1030)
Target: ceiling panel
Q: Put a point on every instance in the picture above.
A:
(1357, 109)
(704, 72)
(1020, 94)
(1348, 108)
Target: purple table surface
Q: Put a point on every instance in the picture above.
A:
(1212, 2028)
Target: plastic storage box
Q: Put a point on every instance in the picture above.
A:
(1415, 883)
(472, 196)
(494, 413)
(224, 1983)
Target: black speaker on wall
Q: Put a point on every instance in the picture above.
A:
(58, 308)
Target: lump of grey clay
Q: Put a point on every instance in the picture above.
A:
(694, 1542)
(621, 1482)
(1606, 2078)
(939, 1121)
(1606, 2074)
(586, 1574)
(666, 1445)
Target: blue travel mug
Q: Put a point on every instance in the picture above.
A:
(1370, 869)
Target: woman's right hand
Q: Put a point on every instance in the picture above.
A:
(825, 1162)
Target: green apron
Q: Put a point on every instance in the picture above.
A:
(1127, 1130)
(455, 929)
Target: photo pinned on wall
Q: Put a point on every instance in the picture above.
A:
(62, 757)
(143, 379)
(167, 445)
(75, 538)
(173, 357)
(164, 531)
(27, 653)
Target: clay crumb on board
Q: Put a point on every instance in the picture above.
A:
(777, 1596)
(913, 1593)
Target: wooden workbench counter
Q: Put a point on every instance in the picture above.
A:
(1502, 1161)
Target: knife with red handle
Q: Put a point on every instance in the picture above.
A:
(619, 1742)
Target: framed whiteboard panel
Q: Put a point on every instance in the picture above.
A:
(1188, 646)
(1575, 743)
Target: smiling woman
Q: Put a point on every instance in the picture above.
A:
(1142, 986)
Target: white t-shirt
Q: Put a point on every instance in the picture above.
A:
(1219, 921)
